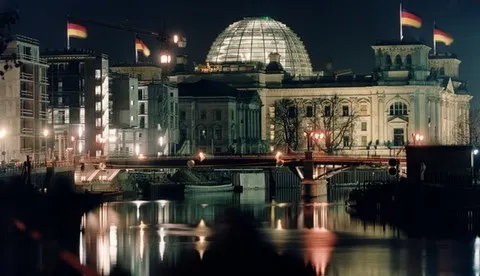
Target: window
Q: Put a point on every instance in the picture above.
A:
(408, 61)
(98, 106)
(131, 102)
(363, 110)
(364, 141)
(388, 61)
(139, 135)
(60, 86)
(218, 115)
(233, 115)
(345, 110)
(60, 100)
(98, 90)
(327, 111)
(141, 123)
(131, 118)
(203, 115)
(98, 74)
(272, 135)
(98, 122)
(398, 137)
(183, 115)
(398, 109)
(202, 133)
(82, 115)
(271, 111)
(398, 61)
(346, 141)
(142, 108)
(217, 133)
(309, 111)
(364, 126)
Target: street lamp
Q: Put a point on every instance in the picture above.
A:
(45, 135)
(417, 138)
(472, 163)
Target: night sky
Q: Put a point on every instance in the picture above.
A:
(341, 29)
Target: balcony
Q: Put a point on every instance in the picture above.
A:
(26, 113)
(26, 76)
(27, 131)
(26, 94)
(44, 98)
(44, 80)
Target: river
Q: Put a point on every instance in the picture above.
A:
(148, 237)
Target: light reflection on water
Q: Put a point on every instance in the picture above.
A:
(140, 235)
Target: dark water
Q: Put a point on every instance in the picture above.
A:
(146, 237)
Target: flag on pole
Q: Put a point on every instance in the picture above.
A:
(410, 19)
(441, 36)
(141, 47)
(76, 31)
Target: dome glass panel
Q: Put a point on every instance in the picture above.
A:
(253, 39)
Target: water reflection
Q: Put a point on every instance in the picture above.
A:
(143, 236)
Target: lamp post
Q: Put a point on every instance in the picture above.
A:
(417, 138)
(472, 163)
(45, 135)
(2, 137)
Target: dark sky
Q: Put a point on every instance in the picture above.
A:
(341, 29)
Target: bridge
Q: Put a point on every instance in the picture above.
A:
(246, 161)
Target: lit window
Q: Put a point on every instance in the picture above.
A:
(271, 110)
(398, 109)
(131, 102)
(98, 90)
(98, 122)
(98, 74)
(272, 135)
(98, 106)
(131, 118)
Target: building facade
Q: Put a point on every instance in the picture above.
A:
(145, 121)
(79, 109)
(412, 95)
(23, 101)
(216, 118)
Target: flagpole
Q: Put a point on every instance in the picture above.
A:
(401, 27)
(68, 38)
(135, 48)
(434, 42)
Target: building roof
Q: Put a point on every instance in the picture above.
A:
(395, 42)
(138, 64)
(68, 54)
(253, 39)
(445, 55)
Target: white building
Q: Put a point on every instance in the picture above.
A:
(23, 102)
(411, 96)
(145, 113)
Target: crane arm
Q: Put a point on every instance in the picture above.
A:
(114, 26)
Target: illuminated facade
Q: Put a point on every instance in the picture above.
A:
(410, 97)
(23, 102)
(253, 39)
(145, 113)
(79, 101)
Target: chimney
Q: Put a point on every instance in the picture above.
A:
(274, 57)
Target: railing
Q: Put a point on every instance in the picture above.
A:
(44, 80)
(26, 94)
(26, 113)
(27, 131)
(26, 76)
(44, 98)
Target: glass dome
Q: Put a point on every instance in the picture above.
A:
(253, 39)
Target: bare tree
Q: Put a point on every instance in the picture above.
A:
(287, 123)
(474, 126)
(7, 19)
(336, 121)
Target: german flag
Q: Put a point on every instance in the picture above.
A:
(441, 36)
(141, 47)
(410, 19)
(77, 31)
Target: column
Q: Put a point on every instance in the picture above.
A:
(441, 113)
(382, 122)
(412, 126)
(437, 120)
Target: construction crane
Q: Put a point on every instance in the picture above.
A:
(166, 40)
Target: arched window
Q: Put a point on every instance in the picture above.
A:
(388, 61)
(408, 61)
(398, 109)
(202, 133)
(442, 71)
(398, 61)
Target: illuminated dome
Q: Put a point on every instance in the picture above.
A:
(253, 39)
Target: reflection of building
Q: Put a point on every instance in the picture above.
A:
(409, 92)
(78, 94)
(23, 101)
(217, 118)
(145, 112)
